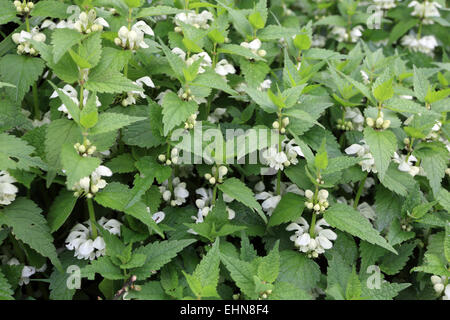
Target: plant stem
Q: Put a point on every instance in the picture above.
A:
(278, 191)
(360, 189)
(92, 217)
(313, 225)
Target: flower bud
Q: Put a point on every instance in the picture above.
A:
(435, 279)
(285, 121)
(94, 189)
(282, 130)
(82, 149)
(89, 195)
(92, 149)
(162, 157)
(317, 207)
(262, 53)
(223, 170)
(386, 124)
(212, 180)
(264, 296)
(370, 122)
(168, 162)
(167, 195)
(173, 203)
(275, 125)
(309, 205)
(30, 5)
(178, 29)
(309, 194)
(175, 160)
(117, 41)
(379, 122)
(406, 141)
(438, 287)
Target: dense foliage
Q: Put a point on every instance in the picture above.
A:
(253, 149)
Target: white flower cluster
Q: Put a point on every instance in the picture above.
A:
(255, 47)
(89, 186)
(204, 205)
(315, 243)
(343, 36)
(179, 194)
(406, 163)
(363, 151)
(424, 44)
(174, 157)
(425, 10)
(281, 126)
(355, 120)
(216, 115)
(206, 59)
(23, 38)
(133, 39)
(379, 123)
(80, 239)
(86, 149)
(7, 189)
(191, 121)
(223, 68)
(23, 6)
(197, 20)
(385, 4)
(263, 86)
(270, 199)
(319, 204)
(216, 175)
(88, 22)
(440, 284)
(277, 160)
(72, 93)
(132, 95)
(27, 271)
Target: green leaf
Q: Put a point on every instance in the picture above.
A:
(239, 51)
(51, 9)
(6, 293)
(158, 254)
(354, 289)
(269, 266)
(242, 273)
(76, 166)
(89, 113)
(433, 265)
(302, 41)
(109, 121)
(74, 109)
(16, 154)
(63, 40)
(240, 192)
(175, 111)
(421, 84)
(382, 145)
(29, 226)
(347, 219)
(117, 196)
(206, 274)
(158, 11)
(289, 208)
(20, 71)
(434, 158)
(60, 209)
(383, 91)
(392, 264)
(297, 269)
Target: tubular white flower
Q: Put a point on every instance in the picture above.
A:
(72, 93)
(132, 95)
(223, 68)
(425, 10)
(8, 191)
(356, 117)
(363, 151)
(198, 20)
(425, 44)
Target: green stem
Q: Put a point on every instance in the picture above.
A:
(92, 217)
(27, 23)
(313, 225)
(278, 190)
(37, 110)
(125, 70)
(360, 189)
(213, 201)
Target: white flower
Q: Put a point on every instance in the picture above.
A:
(265, 85)
(45, 120)
(275, 159)
(343, 36)
(270, 201)
(425, 10)
(291, 150)
(72, 93)
(318, 41)
(406, 163)
(356, 117)
(365, 77)
(80, 239)
(313, 245)
(385, 4)
(179, 195)
(254, 45)
(7, 189)
(446, 295)
(366, 210)
(363, 151)
(425, 44)
(27, 271)
(60, 25)
(216, 115)
(133, 39)
(206, 59)
(92, 184)
(198, 20)
(131, 95)
(88, 22)
(223, 67)
(23, 38)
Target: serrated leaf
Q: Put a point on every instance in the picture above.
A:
(175, 111)
(242, 273)
(347, 219)
(109, 121)
(289, 208)
(29, 226)
(60, 209)
(382, 146)
(63, 40)
(76, 166)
